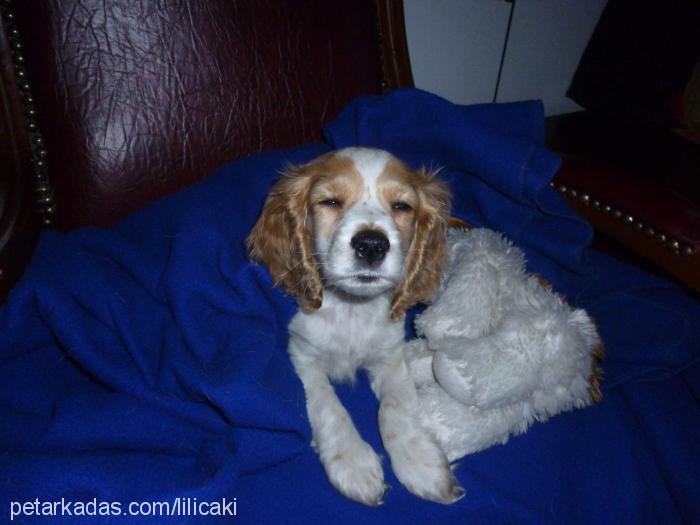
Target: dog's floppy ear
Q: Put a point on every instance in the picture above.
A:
(281, 239)
(428, 249)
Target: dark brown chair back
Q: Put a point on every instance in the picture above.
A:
(110, 104)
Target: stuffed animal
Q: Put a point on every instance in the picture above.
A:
(498, 348)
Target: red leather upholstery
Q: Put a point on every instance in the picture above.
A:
(650, 203)
(645, 172)
(138, 98)
(637, 184)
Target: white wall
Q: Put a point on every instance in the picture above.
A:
(456, 45)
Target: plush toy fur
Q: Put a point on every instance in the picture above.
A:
(499, 349)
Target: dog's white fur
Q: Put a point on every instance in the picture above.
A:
(355, 320)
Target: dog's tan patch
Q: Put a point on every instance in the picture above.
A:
(336, 181)
(423, 228)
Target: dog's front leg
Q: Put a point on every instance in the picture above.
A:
(418, 461)
(350, 463)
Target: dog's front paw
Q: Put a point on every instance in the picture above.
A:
(422, 467)
(356, 471)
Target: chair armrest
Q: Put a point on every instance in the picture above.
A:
(637, 184)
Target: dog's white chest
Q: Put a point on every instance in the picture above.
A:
(341, 337)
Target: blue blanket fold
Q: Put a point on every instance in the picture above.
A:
(147, 362)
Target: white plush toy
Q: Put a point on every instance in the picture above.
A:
(499, 349)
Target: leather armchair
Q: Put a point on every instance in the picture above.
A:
(109, 104)
(637, 185)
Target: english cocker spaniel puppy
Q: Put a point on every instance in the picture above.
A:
(358, 237)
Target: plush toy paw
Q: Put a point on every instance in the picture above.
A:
(477, 373)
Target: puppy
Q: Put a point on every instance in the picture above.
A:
(358, 238)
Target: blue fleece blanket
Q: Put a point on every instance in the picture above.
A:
(147, 362)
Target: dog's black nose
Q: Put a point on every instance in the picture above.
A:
(370, 246)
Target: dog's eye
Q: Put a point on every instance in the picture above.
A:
(400, 206)
(332, 203)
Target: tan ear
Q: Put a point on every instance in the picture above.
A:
(282, 242)
(428, 250)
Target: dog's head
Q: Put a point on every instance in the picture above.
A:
(356, 219)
